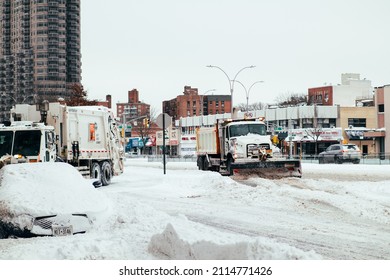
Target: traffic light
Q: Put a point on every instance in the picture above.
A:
(146, 122)
(122, 130)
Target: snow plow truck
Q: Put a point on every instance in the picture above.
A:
(86, 137)
(241, 147)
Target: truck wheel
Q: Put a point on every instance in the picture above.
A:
(229, 166)
(205, 164)
(106, 173)
(96, 172)
(200, 162)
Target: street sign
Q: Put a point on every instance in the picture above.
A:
(167, 118)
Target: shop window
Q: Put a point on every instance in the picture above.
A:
(355, 122)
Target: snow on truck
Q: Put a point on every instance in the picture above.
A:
(86, 137)
(242, 147)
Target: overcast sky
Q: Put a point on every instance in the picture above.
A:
(158, 47)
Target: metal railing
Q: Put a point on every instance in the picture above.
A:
(158, 158)
(377, 158)
(374, 159)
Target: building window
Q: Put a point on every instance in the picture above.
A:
(357, 122)
(326, 97)
(188, 104)
(381, 108)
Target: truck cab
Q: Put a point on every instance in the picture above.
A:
(27, 142)
(245, 139)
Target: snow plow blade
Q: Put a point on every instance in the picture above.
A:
(270, 169)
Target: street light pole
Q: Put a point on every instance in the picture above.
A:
(247, 92)
(231, 82)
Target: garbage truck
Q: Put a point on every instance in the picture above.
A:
(242, 147)
(86, 137)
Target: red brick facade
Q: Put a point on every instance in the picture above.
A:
(321, 95)
(192, 104)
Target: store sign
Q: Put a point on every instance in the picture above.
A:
(311, 134)
(171, 137)
(356, 134)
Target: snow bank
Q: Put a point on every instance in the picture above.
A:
(169, 245)
(44, 188)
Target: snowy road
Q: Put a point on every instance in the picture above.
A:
(336, 218)
(333, 212)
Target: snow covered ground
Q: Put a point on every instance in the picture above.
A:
(333, 212)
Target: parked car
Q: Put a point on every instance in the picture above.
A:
(47, 199)
(339, 153)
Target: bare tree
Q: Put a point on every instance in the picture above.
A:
(315, 131)
(257, 106)
(251, 107)
(146, 126)
(153, 114)
(291, 99)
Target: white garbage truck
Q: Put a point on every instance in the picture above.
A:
(86, 137)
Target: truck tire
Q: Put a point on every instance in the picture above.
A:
(205, 164)
(96, 172)
(106, 173)
(200, 162)
(229, 166)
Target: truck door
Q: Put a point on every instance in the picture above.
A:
(50, 147)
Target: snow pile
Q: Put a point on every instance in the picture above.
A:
(48, 188)
(169, 245)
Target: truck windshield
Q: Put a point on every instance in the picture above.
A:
(6, 138)
(27, 143)
(245, 129)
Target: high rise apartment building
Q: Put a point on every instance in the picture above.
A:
(39, 51)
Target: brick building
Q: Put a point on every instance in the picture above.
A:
(190, 103)
(382, 101)
(133, 108)
(106, 103)
(352, 91)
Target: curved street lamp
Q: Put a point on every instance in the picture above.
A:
(247, 92)
(231, 82)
